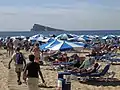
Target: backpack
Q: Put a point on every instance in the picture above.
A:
(19, 58)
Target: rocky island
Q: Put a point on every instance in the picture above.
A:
(37, 27)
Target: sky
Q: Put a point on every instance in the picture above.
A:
(62, 14)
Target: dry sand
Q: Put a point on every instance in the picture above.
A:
(8, 78)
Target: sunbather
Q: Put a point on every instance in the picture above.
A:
(87, 71)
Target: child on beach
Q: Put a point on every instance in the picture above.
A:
(32, 72)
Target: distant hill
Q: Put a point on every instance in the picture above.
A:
(37, 27)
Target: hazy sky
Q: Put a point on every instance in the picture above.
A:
(63, 14)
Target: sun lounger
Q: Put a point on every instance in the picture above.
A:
(103, 73)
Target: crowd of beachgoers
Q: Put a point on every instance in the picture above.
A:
(64, 42)
(66, 52)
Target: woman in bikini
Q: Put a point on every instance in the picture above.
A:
(36, 52)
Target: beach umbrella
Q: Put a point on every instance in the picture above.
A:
(1, 38)
(64, 45)
(40, 39)
(118, 36)
(52, 43)
(36, 37)
(96, 36)
(14, 37)
(80, 43)
(81, 39)
(73, 39)
(48, 40)
(74, 35)
(64, 36)
(22, 37)
(86, 37)
(108, 37)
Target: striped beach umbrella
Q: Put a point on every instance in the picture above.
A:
(64, 45)
(64, 36)
(52, 43)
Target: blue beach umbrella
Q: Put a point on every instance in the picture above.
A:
(52, 43)
(80, 43)
(48, 40)
(64, 36)
(86, 37)
(64, 45)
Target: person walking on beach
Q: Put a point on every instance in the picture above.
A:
(10, 47)
(26, 44)
(32, 72)
(6, 44)
(19, 60)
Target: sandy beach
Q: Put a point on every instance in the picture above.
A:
(8, 78)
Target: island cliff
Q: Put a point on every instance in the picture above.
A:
(37, 27)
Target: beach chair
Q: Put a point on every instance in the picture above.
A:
(106, 57)
(103, 74)
(114, 60)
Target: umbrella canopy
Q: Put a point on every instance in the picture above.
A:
(64, 36)
(108, 37)
(21, 37)
(64, 45)
(37, 37)
(48, 40)
(86, 37)
(52, 43)
(40, 39)
(1, 38)
(14, 37)
(81, 39)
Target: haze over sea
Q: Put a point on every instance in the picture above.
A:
(47, 33)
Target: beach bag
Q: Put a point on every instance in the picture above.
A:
(19, 58)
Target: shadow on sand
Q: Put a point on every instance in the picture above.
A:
(103, 82)
(42, 86)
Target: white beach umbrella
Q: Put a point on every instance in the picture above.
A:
(64, 36)
(36, 37)
(64, 45)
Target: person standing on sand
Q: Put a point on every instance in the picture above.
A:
(6, 44)
(19, 59)
(26, 44)
(36, 52)
(10, 47)
(31, 72)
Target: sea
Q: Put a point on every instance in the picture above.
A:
(47, 33)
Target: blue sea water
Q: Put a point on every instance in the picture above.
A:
(46, 33)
